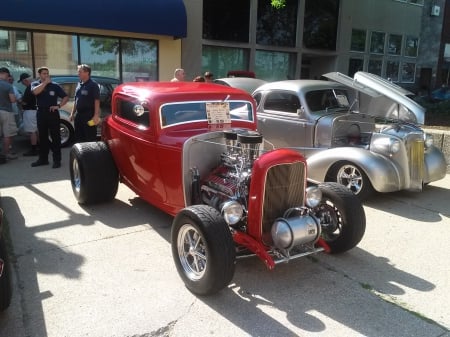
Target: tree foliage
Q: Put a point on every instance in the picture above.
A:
(278, 3)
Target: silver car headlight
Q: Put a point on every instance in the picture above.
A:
(232, 212)
(313, 196)
(428, 138)
(388, 146)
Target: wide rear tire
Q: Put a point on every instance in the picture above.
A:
(203, 249)
(93, 173)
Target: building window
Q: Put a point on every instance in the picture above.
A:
(395, 44)
(277, 27)
(392, 68)
(226, 20)
(377, 42)
(358, 40)
(4, 40)
(375, 66)
(355, 64)
(411, 46)
(408, 72)
(274, 66)
(320, 24)
(220, 60)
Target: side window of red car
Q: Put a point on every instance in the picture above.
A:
(133, 112)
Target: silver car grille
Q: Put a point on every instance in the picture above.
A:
(416, 153)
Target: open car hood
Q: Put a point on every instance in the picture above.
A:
(386, 99)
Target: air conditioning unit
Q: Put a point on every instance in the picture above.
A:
(435, 10)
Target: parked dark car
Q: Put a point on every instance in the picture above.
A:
(69, 84)
(5, 271)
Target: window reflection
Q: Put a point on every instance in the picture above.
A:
(273, 66)
(220, 60)
(226, 20)
(320, 25)
(358, 40)
(277, 27)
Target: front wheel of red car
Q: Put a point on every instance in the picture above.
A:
(93, 173)
(341, 216)
(203, 249)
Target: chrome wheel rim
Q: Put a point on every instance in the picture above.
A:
(76, 176)
(351, 177)
(192, 252)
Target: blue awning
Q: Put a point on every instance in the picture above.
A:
(159, 17)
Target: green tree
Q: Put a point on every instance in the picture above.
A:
(278, 3)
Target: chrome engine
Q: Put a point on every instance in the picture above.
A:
(230, 180)
(287, 223)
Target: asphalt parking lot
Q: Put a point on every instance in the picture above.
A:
(107, 270)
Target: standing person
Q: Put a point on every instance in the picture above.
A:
(86, 109)
(47, 115)
(29, 114)
(178, 75)
(209, 77)
(7, 98)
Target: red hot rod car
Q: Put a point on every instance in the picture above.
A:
(193, 150)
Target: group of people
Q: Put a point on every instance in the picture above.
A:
(179, 76)
(40, 104)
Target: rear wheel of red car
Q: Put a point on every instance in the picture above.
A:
(93, 173)
(353, 177)
(203, 249)
(341, 216)
(5, 281)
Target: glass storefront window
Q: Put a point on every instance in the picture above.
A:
(220, 60)
(226, 20)
(411, 46)
(408, 72)
(101, 53)
(395, 44)
(320, 24)
(358, 40)
(355, 64)
(375, 66)
(139, 60)
(277, 27)
(274, 66)
(377, 42)
(392, 68)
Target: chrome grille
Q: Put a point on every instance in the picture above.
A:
(284, 188)
(416, 161)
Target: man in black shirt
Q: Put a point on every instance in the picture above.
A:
(29, 114)
(47, 94)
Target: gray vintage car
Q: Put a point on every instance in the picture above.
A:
(363, 132)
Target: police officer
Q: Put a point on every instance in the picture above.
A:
(87, 106)
(47, 94)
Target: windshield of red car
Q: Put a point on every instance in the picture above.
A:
(212, 112)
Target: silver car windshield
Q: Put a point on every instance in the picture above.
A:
(323, 100)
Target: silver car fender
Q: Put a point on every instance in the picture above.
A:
(383, 174)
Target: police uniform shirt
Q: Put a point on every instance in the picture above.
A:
(49, 96)
(85, 95)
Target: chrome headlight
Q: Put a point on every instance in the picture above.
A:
(387, 146)
(428, 138)
(313, 196)
(232, 212)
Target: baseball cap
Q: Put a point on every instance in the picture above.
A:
(23, 76)
(4, 70)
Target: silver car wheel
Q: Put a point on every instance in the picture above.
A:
(65, 133)
(191, 252)
(351, 177)
(76, 176)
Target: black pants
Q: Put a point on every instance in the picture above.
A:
(48, 124)
(84, 132)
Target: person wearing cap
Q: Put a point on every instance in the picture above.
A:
(29, 114)
(7, 97)
(209, 77)
(47, 94)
